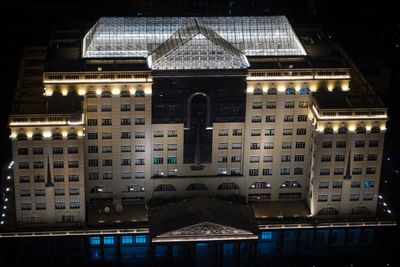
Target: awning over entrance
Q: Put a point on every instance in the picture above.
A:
(202, 219)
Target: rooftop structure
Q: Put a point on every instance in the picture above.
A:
(113, 37)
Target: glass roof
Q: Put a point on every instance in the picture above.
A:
(113, 37)
(195, 46)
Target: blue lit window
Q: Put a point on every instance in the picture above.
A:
(266, 235)
(290, 91)
(126, 240)
(109, 240)
(172, 160)
(368, 184)
(140, 239)
(95, 241)
(303, 90)
(139, 93)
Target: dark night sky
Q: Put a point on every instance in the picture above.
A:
(368, 30)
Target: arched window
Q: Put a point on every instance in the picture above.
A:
(360, 210)
(72, 136)
(375, 129)
(304, 90)
(91, 94)
(57, 136)
(257, 91)
(290, 91)
(165, 188)
(125, 93)
(57, 93)
(328, 130)
(139, 93)
(342, 130)
(322, 90)
(228, 186)
(106, 93)
(328, 211)
(260, 185)
(72, 92)
(22, 137)
(361, 130)
(272, 91)
(37, 136)
(197, 187)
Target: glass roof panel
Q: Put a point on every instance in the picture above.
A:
(195, 46)
(113, 37)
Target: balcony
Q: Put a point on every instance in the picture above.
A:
(95, 77)
(306, 74)
(46, 119)
(349, 114)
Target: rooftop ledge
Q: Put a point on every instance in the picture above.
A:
(46, 119)
(350, 114)
(84, 231)
(95, 77)
(299, 74)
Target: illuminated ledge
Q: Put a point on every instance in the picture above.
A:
(328, 225)
(296, 74)
(96, 77)
(203, 238)
(146, 230)
(349, 114)
(75, 233)
(47, 120)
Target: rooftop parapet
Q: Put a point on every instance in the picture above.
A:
(46, 120)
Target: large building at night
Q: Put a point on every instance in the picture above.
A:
(140, 110)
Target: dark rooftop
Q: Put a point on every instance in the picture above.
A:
(346, 100)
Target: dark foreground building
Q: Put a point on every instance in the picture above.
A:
(228, 141)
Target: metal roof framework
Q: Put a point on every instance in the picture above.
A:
(195, 46)
(139, 37)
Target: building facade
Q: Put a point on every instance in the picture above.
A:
(144, 109)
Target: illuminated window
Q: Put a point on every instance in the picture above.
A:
(95, 241)
(266, 235)
(126, 240)
(260, 185)
(290, 91)
(141, 239)
(258, 91)
(304, 90)
(109, 240)
(368, 184)
(139, 93)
